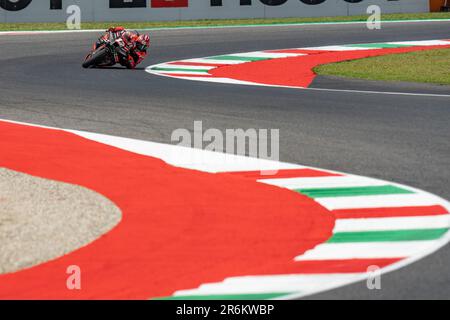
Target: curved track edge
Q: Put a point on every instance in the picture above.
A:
(285, 68)
(378, 223)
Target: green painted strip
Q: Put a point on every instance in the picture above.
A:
(179, 69)
(237, 58)
(378, 45)
(256, 296)
(384, 236)
(353, 191)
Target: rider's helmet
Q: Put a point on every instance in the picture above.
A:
(143, 42)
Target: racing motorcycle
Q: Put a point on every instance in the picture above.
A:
(106, 52)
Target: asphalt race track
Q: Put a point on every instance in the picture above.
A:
(401, 138)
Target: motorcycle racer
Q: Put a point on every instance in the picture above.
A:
(133, 46)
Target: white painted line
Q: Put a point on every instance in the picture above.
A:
(268, 55)
(324, 182)
(298, 278)
(385, 224)
(215, 61)
(268, 284)
(336, 48)
(422, 43)
(189, 158)
(175, 72)
(366, 250)
(216, 80)
(181, 66)
(378, 201)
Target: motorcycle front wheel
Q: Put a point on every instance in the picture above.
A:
(96, 58)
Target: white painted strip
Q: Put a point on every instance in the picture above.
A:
(268, 284)
(366, 250)
(269, 55)
(422, 43)
(220, 80)
(324, 182)
(379, 201)
(215, 61)
(189, 158)
(223, 291)
(385, 224)
(168, 72)
(283, 279)
(335, 48)
(180, 66)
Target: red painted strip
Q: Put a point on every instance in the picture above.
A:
(180, 228)
(186, 75)
(199, 64)
(170, 3)
(342, 266)
(280, 174)
(298, 71)
(390, 212)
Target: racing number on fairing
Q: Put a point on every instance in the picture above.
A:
(16, 5)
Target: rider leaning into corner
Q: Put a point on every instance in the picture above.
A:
(133, 45)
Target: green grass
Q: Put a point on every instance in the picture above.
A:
(431, 66)
(211, 23)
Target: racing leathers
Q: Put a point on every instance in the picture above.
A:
(132, 47)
